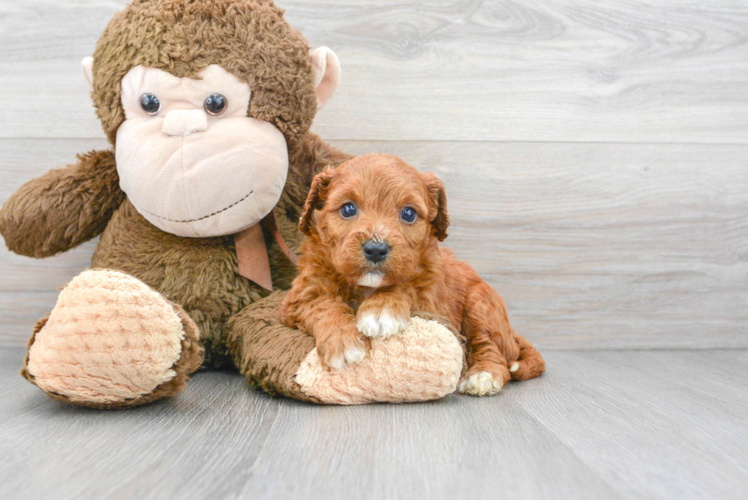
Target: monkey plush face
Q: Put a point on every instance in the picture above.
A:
(190, 159)
(204, 102)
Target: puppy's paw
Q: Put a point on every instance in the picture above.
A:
(349, 355)
(341, 350)
(481, 384)
(381, 323)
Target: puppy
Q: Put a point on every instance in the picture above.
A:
(371, 257)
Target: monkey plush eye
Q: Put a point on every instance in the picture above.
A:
(408, 215)
(348, 210)
(216, 104)
(150, 104)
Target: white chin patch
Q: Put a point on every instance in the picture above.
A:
(372, 279)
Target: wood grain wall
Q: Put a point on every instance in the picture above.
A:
(595, 152)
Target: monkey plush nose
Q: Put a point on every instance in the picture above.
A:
(376, 252)
(181, 122)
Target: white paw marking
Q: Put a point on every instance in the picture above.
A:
(351, 355)
(514, 367)
(354, 355)
(481, 384)
(371, 280)
(337, 362)
(380, 325)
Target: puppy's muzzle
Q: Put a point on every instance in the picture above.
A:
(375, 252)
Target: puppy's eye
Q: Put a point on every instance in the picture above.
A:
(216, 104)
(150, 104)
(408, 215)
(348, 210)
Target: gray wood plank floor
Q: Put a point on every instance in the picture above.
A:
(601, 424)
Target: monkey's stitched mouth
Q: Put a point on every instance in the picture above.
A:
(205, 216)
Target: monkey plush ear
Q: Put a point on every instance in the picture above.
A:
(87, 64)
(438, 215)
(326, 68)
(316, 198)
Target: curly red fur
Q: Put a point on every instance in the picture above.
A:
(335, 288)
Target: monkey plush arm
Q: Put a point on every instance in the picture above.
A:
(63, 208)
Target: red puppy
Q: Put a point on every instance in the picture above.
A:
(372, 256)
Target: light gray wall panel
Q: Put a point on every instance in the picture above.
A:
(591, 245)
(587, 70)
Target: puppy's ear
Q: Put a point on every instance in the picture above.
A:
(438, 215)
(316, 198)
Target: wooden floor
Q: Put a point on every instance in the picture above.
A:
(595, 156)
(598, 425)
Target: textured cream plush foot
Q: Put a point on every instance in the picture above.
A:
(421, 364)
(109, 339)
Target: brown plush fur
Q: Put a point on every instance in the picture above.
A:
(326, 298)
(68, 206)
(266, 351)
(63, 208)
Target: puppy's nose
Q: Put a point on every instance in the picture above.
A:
(376, 252)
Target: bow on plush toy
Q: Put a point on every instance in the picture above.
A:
(207, 105)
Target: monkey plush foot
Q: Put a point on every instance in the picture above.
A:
(112, 342)
(423, 363)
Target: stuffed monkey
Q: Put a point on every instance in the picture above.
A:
(207, 105)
